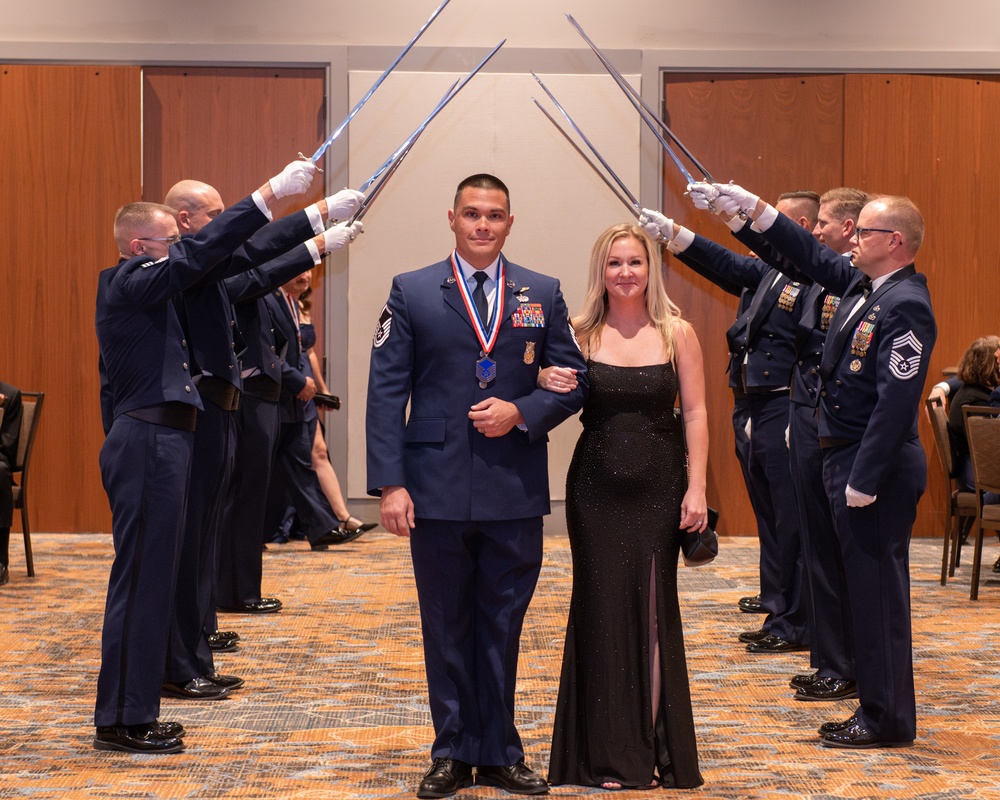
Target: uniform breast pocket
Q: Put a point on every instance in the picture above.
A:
(425, 430)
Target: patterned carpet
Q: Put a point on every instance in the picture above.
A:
(335, 703)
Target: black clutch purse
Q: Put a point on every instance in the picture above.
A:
(701, 547)
(328, 400)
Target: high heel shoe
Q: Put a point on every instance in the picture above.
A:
(354, 524)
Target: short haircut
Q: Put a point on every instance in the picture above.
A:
(132, 218)
(979, 364)
(804, 203)
(482, 180)
(902, 214)
(844, 202)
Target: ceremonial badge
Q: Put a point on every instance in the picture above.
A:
(529, 352)
(855, 365)
(788, 295)
(486, 367)
(528, 315)
(830, 304)
(862, 339)
(486, 370)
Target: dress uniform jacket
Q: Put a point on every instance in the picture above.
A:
(146, 466)
(872, 378)
(478, 501)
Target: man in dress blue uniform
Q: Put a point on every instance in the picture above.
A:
(466, 475)
(872, 375)
(762, 353)
(149, 405)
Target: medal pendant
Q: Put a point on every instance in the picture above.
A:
(486, 370)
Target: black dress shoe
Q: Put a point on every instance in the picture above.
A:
(228, 635)
(798, 681)
(336, 536)
(364, 527)
(751, 605)
(142, 738)
(221, 644)
(858, 737)
(834, 727)
(751, 636)
(4, 574)
(515, 778)
(775, 644)
(445, 777)
(174, 729)
(195, 689)
(266, 605)
(827, 689)
(230, 682)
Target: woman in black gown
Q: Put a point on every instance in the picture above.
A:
(623, 718)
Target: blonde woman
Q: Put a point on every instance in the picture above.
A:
(623, 718)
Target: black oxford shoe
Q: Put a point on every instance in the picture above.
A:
(335, 537)
(142, 738)
(798, 681)
(221, 644)
(195, 689)
(858, 737)
(174, 729)
(515, 778)
(751, 605)
(834, 727)
(266, 605)
(751, 636)
(230, 682)
(827, 689)
(775, 644)
(445, 777)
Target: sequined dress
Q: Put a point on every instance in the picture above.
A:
(624, 491)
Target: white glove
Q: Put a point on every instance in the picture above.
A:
(657, 226)
(788, 443)
(703, 196)
(344, 204)
(732, 199)
(293, 179)
(856, 499)
(340, 236)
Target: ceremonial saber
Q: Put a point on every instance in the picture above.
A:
(340, 128)
(628, 201)
(401, 151)
(586, 141)
(648, 115)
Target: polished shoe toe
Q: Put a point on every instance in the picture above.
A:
(144, 738)
(827, 689)
(515, 778)
(335, 537)
(266, 605)
(798, 681)
(4, 575)
(195, 689)
(833, 727)
(775, 644)
(751, 636)
(230, 682)
(168, 729)
(221, 644)
(355, 524)
(445, 777)
(751, 605)
(858, 737)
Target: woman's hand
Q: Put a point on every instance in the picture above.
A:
(694, 511)
(557, 379)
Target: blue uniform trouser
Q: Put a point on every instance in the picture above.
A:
(145, 469)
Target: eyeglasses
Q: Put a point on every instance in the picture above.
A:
(862, 231)
(167, 240)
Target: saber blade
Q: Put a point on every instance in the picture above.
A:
(340, 128)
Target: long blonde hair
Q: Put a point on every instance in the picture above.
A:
(661, 309)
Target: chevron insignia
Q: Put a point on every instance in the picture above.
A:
(904, 360)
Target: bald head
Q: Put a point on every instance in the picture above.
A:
(196, 204)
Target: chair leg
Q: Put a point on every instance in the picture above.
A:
(949, 536)
(977, 559)
(28, 559)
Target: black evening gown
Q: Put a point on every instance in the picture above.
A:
(624, 491)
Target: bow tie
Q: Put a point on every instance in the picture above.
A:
(866, 286)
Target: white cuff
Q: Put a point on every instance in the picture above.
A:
(766, 219)
(944, 386)
(736, 224)
(259, 200)
(313, 251)
(682, 241)
(315, 219)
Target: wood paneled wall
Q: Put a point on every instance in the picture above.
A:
(932, 138)
(70, 145)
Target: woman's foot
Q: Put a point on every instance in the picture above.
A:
(614, 786)
(354, 524)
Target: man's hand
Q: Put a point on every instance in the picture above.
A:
(339, 236)
(308, 391)
(703, 196)
(395, 512)
(856, 499)
(495, 417)
(657, 226)
(343, 205)
(296, 178)
(561, 380)
(733, 199)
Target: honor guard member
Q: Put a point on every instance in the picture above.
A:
(465, 475)
(240, 562)
(762, 348)
(831, 644)
(10, 434)
(871, 380)
(216, 346)
(149, 405)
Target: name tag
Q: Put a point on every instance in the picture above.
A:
(529, 315)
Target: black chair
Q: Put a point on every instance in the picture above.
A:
(982, 428)
(31, 412)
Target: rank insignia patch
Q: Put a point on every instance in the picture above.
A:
(382, 329)
(904, 360)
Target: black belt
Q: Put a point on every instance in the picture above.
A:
(826, 442)
(262, 388)
(221, 393)
(174, 414)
